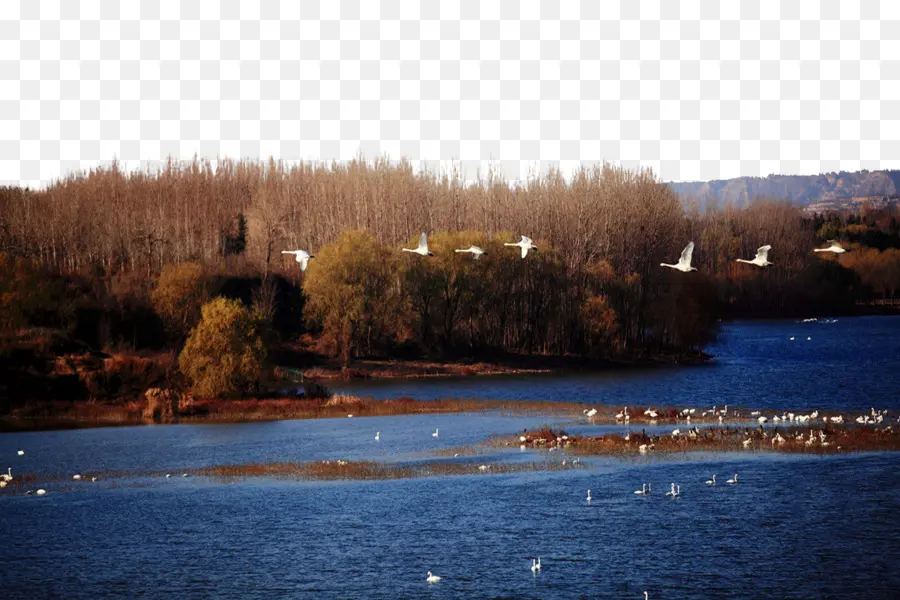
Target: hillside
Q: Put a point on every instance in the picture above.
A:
(828, 190)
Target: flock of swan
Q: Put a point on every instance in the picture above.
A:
(525, 244)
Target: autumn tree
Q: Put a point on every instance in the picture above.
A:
(225, 354)
(179, 294)
(352, 292)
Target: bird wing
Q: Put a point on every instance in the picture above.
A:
(524, 251)
(763, 252)
(423, 241)
(686, 254)
(304, 261)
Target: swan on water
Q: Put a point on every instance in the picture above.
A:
(301, 256)
(7, 476)
(536, 566)
(589, 495)
(432, 578)
(711, 481)
(20, 452)
(422, 248)
(41, 492)
(525, 244)
(435, 434)
(833, 246)
(761, 259)
(377, 436)
(684, 262)
(76, 476)
(475, 251)
(735, 480)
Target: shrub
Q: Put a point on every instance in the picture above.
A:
(224, 354)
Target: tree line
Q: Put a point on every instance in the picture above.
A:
(107, 252)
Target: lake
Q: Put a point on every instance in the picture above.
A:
(847, 363)
(793, 527)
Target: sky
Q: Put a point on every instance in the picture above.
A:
(694, 90)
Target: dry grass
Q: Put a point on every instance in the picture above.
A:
(366, 470)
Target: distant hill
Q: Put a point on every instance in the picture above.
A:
(828, 190)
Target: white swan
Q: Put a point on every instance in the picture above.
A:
(589, 496)
(525, 244)
(432, 578)
(7, 476)
(422, 249)
(833, 246)
(435, 434)
(301, 256)
(761, 259)
(735, 480)
(41, 492)
(76, 477)
(684, 263)
(643, 489)
(377, 436)
(20, 452)
(475, 251)
(711, 481)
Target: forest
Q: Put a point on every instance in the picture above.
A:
(125, 261)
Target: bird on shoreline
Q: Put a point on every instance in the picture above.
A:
(833, 246)
(525, 244)
(301, 256)
(684, 262)
(761, 259)
(422, 248)
(475, 251)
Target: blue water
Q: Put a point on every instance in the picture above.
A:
(848, 364)
(794, 527)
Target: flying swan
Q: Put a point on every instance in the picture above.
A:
(684, 263)
(301, 256)
(525, 244)
(475, 251)
(422, 249)
(761, 259)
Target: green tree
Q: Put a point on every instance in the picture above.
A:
(225, 353)
(352, 293)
